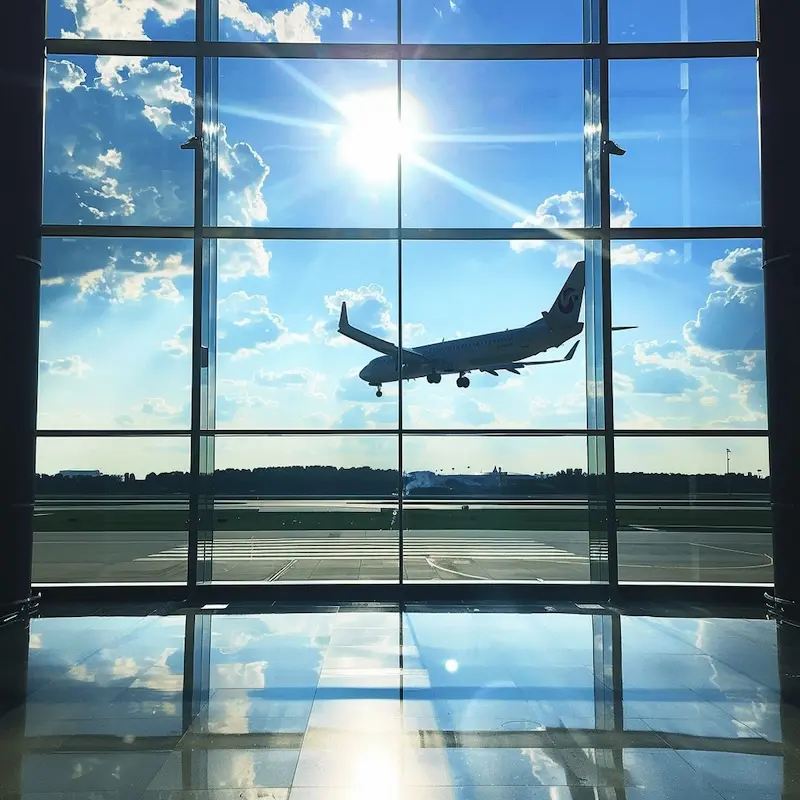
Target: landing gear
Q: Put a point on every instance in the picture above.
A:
(462, 382)
(378, 392)
(434, 377)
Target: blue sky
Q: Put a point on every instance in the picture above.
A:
(494, 145)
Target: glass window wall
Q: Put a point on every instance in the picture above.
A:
(338, 295)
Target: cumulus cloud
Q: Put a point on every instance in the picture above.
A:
(125, 19)
(347, 18)
(566, 211)
(126, 279)
(126, 169)
(70, 366)
(367, 307)
(45, 323)
(239, 258)
(246, 326)
(242, 174)
(739, 267)
(653, 368)
(732, 319)
(64, 75)
(301, 23)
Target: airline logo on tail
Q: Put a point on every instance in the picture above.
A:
(567, 299)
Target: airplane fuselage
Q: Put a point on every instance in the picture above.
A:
(472, 353)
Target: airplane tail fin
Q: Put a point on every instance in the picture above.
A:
(567, 306)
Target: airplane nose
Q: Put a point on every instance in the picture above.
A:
(364, 374)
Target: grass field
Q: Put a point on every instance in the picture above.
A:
(512, 519)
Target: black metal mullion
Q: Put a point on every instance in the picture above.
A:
(400, 483)
(197, 306)
(612, 559)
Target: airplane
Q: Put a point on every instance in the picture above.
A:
(490, 352)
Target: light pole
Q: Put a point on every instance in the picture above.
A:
(728, 468)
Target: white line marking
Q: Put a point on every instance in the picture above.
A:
(434, 565)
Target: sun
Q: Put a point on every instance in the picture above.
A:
(373, 136)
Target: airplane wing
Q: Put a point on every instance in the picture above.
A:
(514, 366)
(375, 342)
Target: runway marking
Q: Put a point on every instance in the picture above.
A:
(523, 549)
(433, 565)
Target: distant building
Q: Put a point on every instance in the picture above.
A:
(79, 473)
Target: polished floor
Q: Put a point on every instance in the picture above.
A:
(343, 703)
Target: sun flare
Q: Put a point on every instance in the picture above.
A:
(374, 136)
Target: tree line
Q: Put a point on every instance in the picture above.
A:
(324, 481)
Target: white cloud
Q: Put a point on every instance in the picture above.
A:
(454, 8)
(70, 366)
(238, 259)
(732, 319)
(242, 174)
(65, 75)
(124, 19)
(739, 267)
(246, 326)
(158, 84)
(45, 323)
(159, 407)
(121, 19)
(566, 211)
(181, 343)
(631, 255)
(347, 18)
(300, 24)
(367, 308)
(57, 281)
(125, 280)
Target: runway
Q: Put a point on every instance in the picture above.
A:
(719, 556)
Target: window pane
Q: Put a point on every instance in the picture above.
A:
(694, 510)
(374, 21)
(161, 20)
(107, 510)
(116, 334)
(500, 22)
(306, 509)
(681, 20)
(697, 358)
(308, 143)
(282, 362)
(113, 130)
(691, 134)
(448, 300)
(495, 508)
(487, 159)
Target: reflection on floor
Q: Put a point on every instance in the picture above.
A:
(370, 703)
